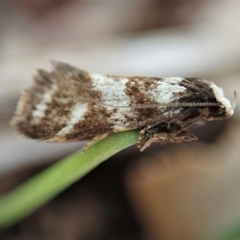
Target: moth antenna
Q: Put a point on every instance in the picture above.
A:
(183, 104)
(234, 102)
(194, 104)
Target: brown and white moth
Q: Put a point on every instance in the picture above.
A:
(68, 104)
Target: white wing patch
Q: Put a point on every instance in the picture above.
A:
(112, 90)
(39, 111)
(77, 115)
(113, 96)
(167, 90)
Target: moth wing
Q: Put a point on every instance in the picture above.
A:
(64, 104)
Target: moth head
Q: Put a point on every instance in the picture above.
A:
(222, 109)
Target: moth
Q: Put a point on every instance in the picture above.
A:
(68, 103)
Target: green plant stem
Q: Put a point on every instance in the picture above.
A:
(37, 191)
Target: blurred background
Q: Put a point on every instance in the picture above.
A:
(185, 191)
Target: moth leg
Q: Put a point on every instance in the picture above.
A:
(160, 137)
(163, 133)
(93, 140)
(190, 121)
(184, 136)
(154, 133)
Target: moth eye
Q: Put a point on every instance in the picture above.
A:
(216, 111)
